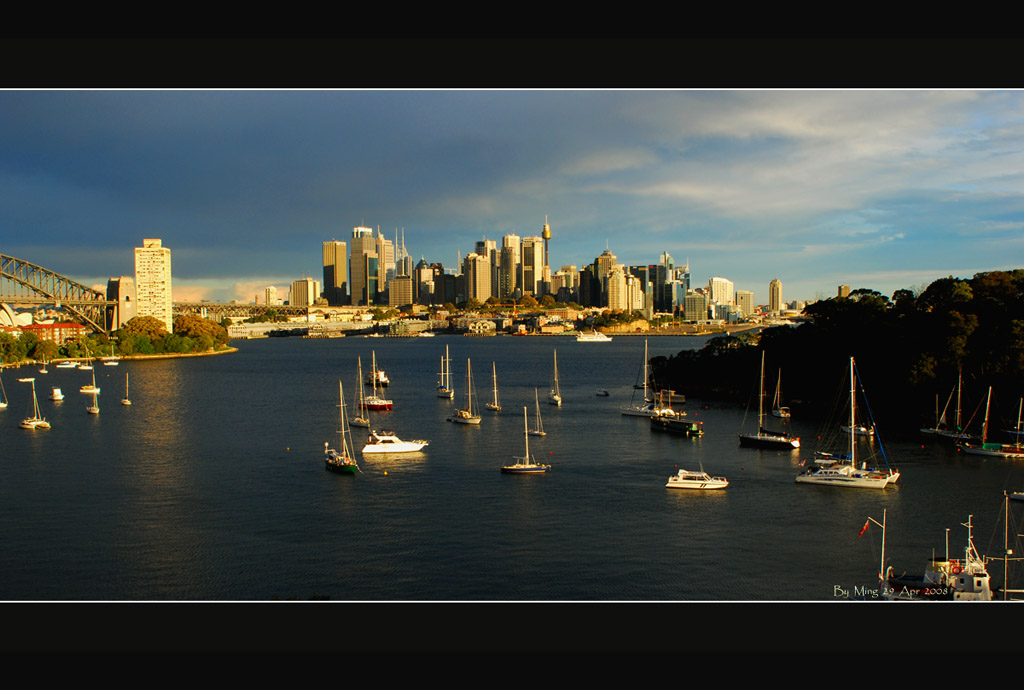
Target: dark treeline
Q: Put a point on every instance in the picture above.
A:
(908, 350)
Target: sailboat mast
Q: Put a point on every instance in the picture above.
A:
(959, 384)
(760, 400)
(526, 434)
(853, 417)
(984, 429)
(1020, 408)
(645, 371)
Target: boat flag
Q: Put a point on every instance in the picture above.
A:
(863, 529)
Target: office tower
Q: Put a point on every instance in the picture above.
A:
(153, 282)
(695, 306)
(615, 287)
(122, 291)
(721, 290)
(363, 246)
(304, 292)
(270, 295)
(745, 301)
(533, 265)
(336, 273)
(514, 246)
(667, 261)
(507, 269)
(489, 250)
(775, 296)
(476, 270)
(386, 265)
(400, 291)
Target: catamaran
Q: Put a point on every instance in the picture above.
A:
(765, 438)
(341, 460)
(36, 421)
(843, 471)
(525, 464)
(469, 415)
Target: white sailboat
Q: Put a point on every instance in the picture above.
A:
(126, 400)
(999, 450)
(362, 417)
(778, 410)
(341, 460)
(111, 361)
(444, 386)
(555, 396)
(646, 409)
(539, 431)
(525, 464)
(844, 471)
(36, 421)
(376, 401)
(94, 408)
(90, 388)
(765, 438)
(3, 395)
(468, 415)
(941, 429)
(493, 405)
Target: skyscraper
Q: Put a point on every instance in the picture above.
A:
(721, 290)
(775, 296)
(153, 282)
(363, 245)
(336, 273)
(304, 292)
(533, 265)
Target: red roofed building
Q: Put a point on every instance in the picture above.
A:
(59, 333)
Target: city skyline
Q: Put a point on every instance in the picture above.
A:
(873, 189)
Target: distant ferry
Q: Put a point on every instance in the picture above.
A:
(592, 337)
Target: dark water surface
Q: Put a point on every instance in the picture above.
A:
(211, 486)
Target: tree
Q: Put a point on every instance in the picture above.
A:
(145, 325)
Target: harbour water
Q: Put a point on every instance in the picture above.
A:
(212, 486)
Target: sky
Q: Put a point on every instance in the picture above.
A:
(874, 189)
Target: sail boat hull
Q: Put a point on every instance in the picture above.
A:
(769, 441)
(467, 415)
(525, 464)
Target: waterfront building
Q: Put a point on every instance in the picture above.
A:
(775, 296)
(122, 291)
(59, 333)
(336, 273)
(153, 282)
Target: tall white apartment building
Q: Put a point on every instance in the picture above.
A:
(775, 296)
(153, 282)
(721, 290)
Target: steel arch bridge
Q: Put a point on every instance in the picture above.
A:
(26, 283)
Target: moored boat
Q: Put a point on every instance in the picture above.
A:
(593, 337)
(469, 414)
(765, 438)
(526, 464)
(341, 460)
(388, 442)
(694, 480)
(677, 425)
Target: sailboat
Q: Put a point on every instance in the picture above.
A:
(843, 471)
(341, 460)
(999, 450)
(765, 438)
(777, 409)
(376, 401)
(44, 370)
(494, 404)
(377, 377)
(646, 409)
(362, 417)
(539, 431)
(555, 396)
(941, 428)
(126, 400)
(36, 421)
(110, 361)
(525, 464)
(444, 386)
(95, 407)
(91, 387)
(468, 415)
(3, 395)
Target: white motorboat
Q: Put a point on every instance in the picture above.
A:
(843, 471)
(469, 414)
(526, 464)
(387, 442)
(765, 438)
(693, 480)
(555, 396)
(494, 405)
(444, 385)
(593, 337)
(67, 365)
(36, 421)
(56, 395)
(341, 460)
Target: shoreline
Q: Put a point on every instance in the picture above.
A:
(163, 355)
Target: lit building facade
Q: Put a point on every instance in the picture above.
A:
(153, 282)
